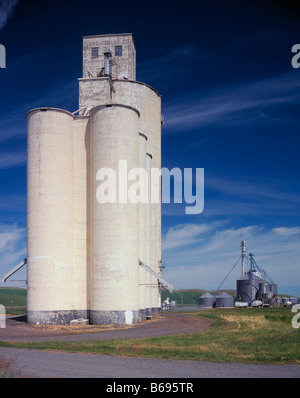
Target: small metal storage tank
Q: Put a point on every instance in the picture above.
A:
(293, 300)
(207, 300)
(224, 300)
(243, 288)
(264, 288)
(274, 288)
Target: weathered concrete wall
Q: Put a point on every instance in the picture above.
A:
(80, 244)
(114, 226)
(122, 66)
(49, 215)
(142, 232)
(94, 92)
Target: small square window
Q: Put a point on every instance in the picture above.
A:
(118, 51)
(95, 52)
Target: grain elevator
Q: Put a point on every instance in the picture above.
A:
(87, 258)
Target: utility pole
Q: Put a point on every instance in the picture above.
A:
(251, 276)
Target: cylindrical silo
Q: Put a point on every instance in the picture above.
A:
(274, 288)
(264, 289)
(154, 242)
(285, 300)
(243, 288)
(50, 297)
(207, 300)
(148, 102)
(149, 277)
(142, 230)
(80, 214)
(224, 300)
(293, 300)
(114, 241)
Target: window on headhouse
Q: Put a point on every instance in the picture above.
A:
(118, 51)
(95, 52)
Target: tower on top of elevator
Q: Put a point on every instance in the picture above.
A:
(112, 55)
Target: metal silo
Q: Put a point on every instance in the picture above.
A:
(284, 300)
(243, 287)
(264, 290)
(293, 300)
(207, 300)
(274, 288)
(224, 300)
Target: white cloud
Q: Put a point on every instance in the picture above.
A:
(287, 232)
(183, 235)
(6, 11)
(8, 160)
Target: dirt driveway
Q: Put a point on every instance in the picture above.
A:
(164, 325)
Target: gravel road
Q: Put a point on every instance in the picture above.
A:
(46, 364)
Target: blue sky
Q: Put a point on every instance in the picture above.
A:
(230, 99)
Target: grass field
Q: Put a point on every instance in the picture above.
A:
(263, 336)
(247, 335)
(13, 299)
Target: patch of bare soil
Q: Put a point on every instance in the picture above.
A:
(17, 329)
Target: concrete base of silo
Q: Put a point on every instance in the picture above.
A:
(142, 314)
(55, 317)
(128, 317)
(156, 311)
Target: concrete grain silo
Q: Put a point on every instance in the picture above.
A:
(50, 297)
(114, 226)
(89, 256)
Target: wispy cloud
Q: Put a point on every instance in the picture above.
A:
(9, 160)
(179, 60)
(235, 104)
(250, 197)
(6, 11)
(236, 197)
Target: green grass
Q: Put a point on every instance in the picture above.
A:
(262, 336)
(13, 299)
